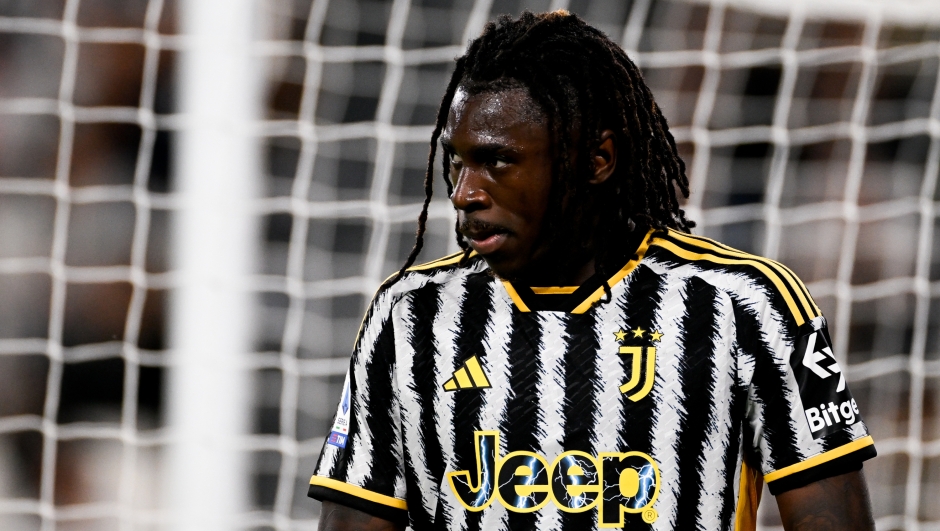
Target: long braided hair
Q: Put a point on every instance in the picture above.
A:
(584, 84)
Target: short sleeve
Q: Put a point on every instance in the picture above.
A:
(361, 464)
(804, 425)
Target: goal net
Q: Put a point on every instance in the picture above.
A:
(811, 133)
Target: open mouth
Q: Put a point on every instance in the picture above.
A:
(483, 237)
(486, 243)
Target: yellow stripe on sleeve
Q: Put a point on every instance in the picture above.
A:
(358, 492)
(801, 292)
(824, 457)
(441, 262)
(769, 273)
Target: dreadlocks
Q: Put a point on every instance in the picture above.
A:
(585, 84)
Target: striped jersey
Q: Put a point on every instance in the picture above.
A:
(473, 403)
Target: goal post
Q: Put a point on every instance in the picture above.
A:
(215, 244)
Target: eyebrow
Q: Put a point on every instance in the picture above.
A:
(482, 149)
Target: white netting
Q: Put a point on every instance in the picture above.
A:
(83, 213)
(811, 133)
(801, 129)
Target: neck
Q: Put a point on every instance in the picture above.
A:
(583, 273)
(543, 274)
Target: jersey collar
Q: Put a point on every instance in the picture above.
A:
(575, 299)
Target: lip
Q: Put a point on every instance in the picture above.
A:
(487, 244)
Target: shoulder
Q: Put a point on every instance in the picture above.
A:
(418, 284)
(450, 261)
(734, 270)
(439, 272)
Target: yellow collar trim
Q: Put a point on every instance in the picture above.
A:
(555, 290)
(516, 299)
(594, 297)
(618, 276)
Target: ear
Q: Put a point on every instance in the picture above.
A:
(605, 157)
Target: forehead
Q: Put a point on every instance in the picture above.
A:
(496, 111)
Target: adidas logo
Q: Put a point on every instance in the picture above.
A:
(470, 376)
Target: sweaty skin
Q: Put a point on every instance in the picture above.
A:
(501, 170)
(500, 153)
(836, 503)
(336, 517)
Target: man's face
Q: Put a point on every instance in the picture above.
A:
(501, 169)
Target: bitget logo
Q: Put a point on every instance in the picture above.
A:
(827, 402)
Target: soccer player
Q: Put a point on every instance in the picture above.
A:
(585, 362)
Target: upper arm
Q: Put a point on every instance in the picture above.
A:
(803, 423)
(835, 503)
(361, 463)
(336, 517)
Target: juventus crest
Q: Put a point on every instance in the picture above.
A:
(642, 360)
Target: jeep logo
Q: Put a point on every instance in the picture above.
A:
(616, 483)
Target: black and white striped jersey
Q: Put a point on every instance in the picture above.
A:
(473, 403)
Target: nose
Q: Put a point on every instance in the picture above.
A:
(469, 193)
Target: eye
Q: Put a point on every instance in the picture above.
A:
(499, 163)
(455, 159)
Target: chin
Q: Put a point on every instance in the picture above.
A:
(515, 267)
(504, 269)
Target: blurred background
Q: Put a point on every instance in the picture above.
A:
(811, 131)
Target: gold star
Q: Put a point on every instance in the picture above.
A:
(655, 336)
(638, 332)
(620, 334)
